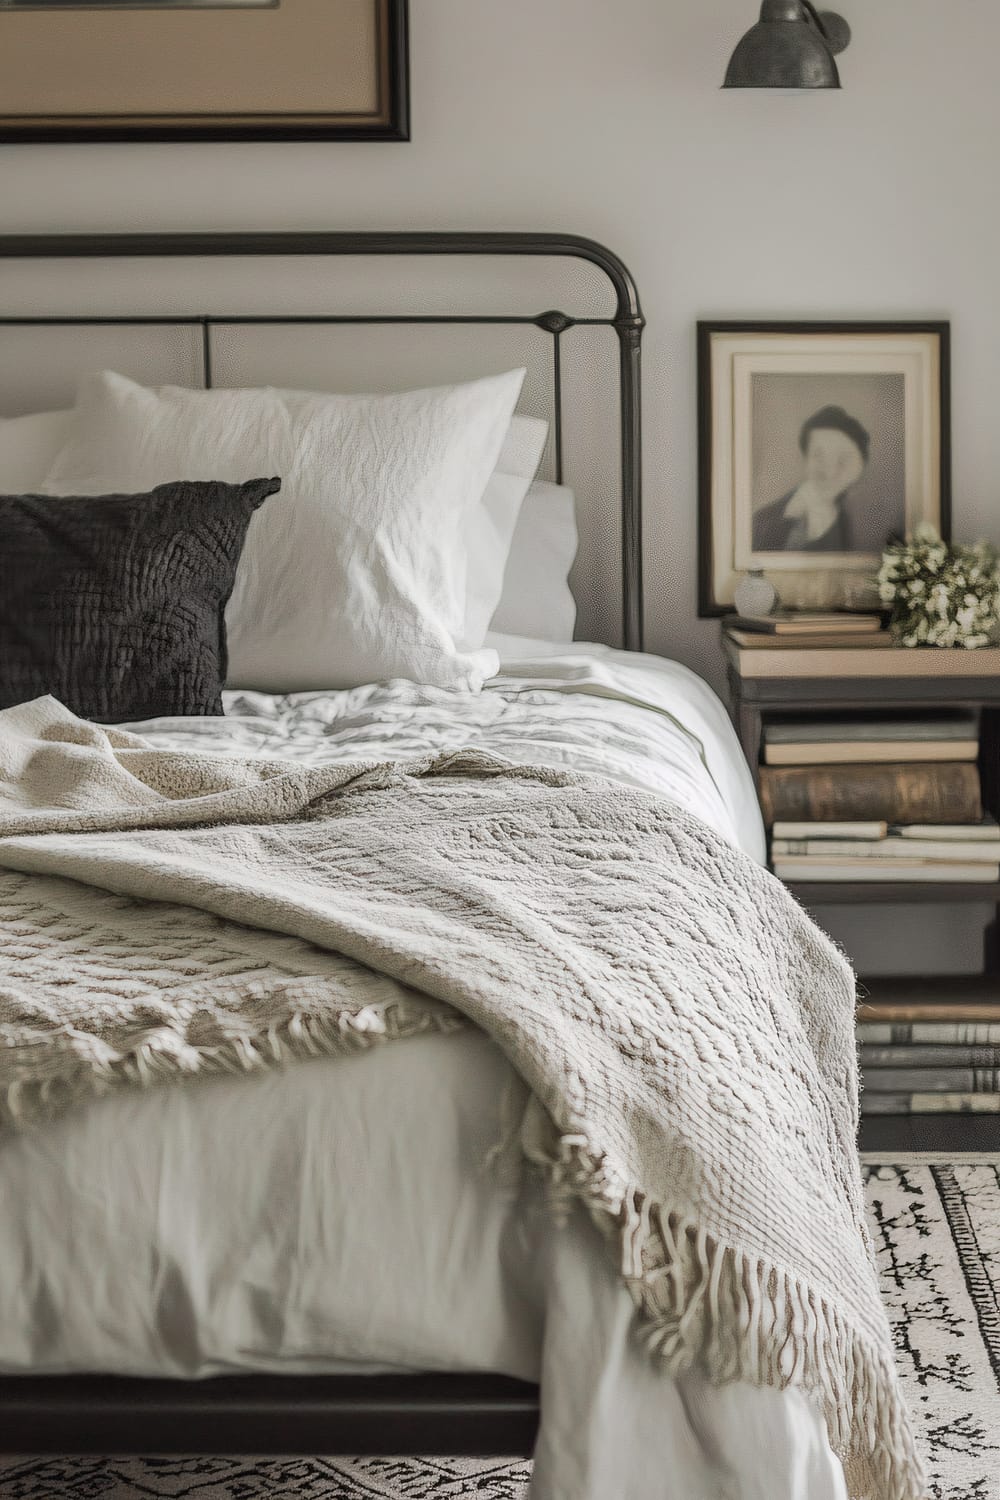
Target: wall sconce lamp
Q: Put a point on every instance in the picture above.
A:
(792, 46)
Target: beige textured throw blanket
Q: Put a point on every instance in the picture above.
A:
(686, 1031)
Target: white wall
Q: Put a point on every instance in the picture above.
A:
(607, 119)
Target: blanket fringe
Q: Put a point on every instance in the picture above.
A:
(734, 1315)
(161, 1054)
(739, 1318)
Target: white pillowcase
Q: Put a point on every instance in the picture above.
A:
(537, 600)
(27, 447)
(491, 524)
(358, 573)
(521, 541)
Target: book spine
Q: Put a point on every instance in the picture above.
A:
(945, 850)
(930, 1033)
(865, 731)
(870, 832)
(947, 792)
(930, 1104)
(917, 1056)
(921, 1012)
(809, 640)
(971, 1032)
(986, 832)
(795, 621)
(869, 752)
(933, 1080)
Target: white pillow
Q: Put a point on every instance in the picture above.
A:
(537, 600)
(28, 446)
(358, 574)
(491, 524)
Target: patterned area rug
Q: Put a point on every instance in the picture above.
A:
(936, 1228)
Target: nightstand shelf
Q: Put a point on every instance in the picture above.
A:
(797, 683)
(803, 681)
(851, 893)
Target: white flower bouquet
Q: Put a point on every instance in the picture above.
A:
(940, 593)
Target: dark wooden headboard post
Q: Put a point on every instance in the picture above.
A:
(628, 322)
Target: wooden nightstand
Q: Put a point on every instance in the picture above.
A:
(803, 680)
(799, 681)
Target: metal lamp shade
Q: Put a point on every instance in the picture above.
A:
(785, 50)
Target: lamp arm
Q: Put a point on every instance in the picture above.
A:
(832, 28)
(815, 17)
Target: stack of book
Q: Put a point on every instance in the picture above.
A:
(814, 646)
(878, 798)
(960, 852)
(806, 628)
(930, 1046)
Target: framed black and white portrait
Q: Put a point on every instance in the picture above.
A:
(818, 444)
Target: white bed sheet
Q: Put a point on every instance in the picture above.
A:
(367, 1227)
(635, 718)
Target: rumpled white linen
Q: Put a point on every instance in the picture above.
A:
(639, 719)
(139, 1235)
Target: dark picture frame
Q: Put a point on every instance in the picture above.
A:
(764, 388)
(40, 44)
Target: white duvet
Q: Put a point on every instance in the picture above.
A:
(141, 1236)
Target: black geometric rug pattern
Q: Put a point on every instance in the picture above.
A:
(936, 1231)
(181, 1478)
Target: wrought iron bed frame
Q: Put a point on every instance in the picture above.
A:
(373, 1414)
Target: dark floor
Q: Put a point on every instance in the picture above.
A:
(931, 1133)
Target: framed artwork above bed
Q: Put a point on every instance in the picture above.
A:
(818, 444)
(200, 70)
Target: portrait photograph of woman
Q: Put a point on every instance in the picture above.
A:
(818, 445)
(829, 463)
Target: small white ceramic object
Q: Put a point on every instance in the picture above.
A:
(755, 594)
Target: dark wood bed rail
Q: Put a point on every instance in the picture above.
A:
(474, 1415)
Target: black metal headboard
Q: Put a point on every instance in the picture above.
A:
(627, 322)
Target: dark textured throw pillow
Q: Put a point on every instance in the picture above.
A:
(114, 603)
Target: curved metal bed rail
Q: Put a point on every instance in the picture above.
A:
(627, 321)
